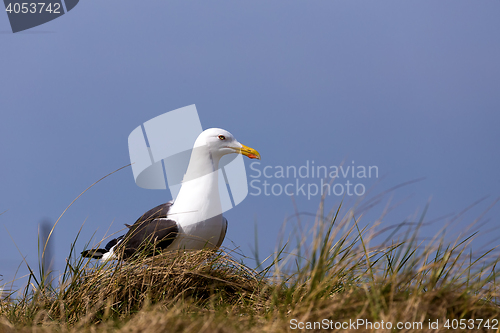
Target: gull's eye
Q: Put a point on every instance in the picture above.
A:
(222, 137)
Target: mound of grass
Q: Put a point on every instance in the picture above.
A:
(117, 290)
(338, 283)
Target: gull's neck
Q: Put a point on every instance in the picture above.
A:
(199, 193)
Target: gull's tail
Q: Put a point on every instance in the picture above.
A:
(105, 253)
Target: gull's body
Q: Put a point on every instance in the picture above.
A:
(194, 220)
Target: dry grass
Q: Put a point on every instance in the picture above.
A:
(338, 278)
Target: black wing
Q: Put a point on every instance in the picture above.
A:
(153, 228)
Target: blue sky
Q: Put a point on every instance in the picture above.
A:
(410, 87)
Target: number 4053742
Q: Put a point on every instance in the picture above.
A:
(33, 8)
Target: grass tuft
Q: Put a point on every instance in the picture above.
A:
(339, 278)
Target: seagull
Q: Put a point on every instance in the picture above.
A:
(194, 220)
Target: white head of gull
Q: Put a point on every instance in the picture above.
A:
(194, 220)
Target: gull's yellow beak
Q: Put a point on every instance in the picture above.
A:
(250, 152)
